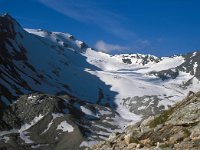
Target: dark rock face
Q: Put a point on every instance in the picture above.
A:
(9, 71)
(50, 122)
(141, 59)
(127, 61)
(6, 27)
(145, 105)
(166, 74)
(191, 65)
(27, 108)
(176, 128)
(32, 121)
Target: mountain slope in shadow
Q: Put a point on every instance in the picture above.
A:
(32, 63)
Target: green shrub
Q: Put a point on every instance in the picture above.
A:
(162, 118)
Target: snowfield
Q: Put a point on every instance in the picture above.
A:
(130, 80)
(67, 64)
(87, 72)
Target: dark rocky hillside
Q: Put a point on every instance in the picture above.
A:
(46, 122)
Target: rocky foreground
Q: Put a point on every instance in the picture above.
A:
(47, 122)
(177, 128)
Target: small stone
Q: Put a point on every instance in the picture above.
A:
(158, 127)
(186, 139)
(129, 139)
(176, 137)
(158, 144)
(147, 121)
(145, 142)
(110, 144)
(138, 146)
(190, 94)
(145, 129)
(132, 145)
(197, 94)
(112, 136)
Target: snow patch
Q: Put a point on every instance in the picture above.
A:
(39, 145)
(87, 111)
(195, 67)
(64, 126)
(5, 139)
(105, 112)
(57, 115)
(33, 122)
(89, 144)
(141, 107)
(25, 138)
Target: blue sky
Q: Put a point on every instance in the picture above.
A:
(159, 27)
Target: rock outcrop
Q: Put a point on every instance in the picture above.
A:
(41, 121)
(175, 128)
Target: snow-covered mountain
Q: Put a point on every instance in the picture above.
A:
(49, 62)
(132, 85)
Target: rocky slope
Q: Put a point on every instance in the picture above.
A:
(39, 121)
(177, 128)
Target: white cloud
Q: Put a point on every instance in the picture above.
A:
(141, 44)
(106, 47)
(89, 12)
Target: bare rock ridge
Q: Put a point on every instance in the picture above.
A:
(177, 128)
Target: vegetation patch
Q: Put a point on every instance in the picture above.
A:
(162, 118)
(186, 133)
(166, 145)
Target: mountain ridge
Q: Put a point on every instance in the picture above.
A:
(132, 86)
(59, 63)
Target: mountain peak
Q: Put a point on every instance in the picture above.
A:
(6, 15)
(8, 26)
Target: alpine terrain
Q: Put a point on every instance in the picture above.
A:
(58, 93)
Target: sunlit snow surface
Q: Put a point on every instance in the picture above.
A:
(65, 126)
(125, 80)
